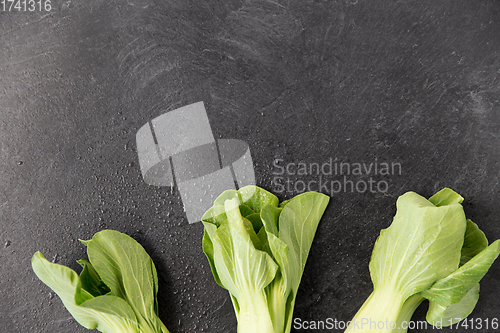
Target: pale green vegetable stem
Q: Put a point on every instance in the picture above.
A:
(431, 252)
(379, 313)
(257, 249)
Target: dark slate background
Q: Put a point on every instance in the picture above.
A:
(409, 82)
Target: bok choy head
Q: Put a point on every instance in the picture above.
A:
(257, 250)
(430, 251)
(116, 290)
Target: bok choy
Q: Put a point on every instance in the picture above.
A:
(116, 290)
(430, 251)
(257, 249)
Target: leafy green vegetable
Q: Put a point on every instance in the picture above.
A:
(431, 252)
(257, 249)
(116, 290)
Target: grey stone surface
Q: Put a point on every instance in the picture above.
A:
(409, 82)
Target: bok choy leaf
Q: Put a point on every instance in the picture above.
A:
(116, 290)
(430, 251)
(257, 250)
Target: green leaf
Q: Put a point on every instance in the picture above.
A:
(270, 217)
(211, 220)
(452, 289)
(227, 195)
(81, 295)
(239, 264)
(256, 198)
(208, 249)
(443, 316)
(429, 251)
(91, 281)
(284, 203)
(422, 245)
(255, 220)
(245, 210)
(474, 242)
(217, 214)
(110, 305)
(279, 250)
(297, 225)
(446, 197)
(63, 281)
(244, 270)
(84, 242)
(126, 268)
(449, 289)
(257, 250)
